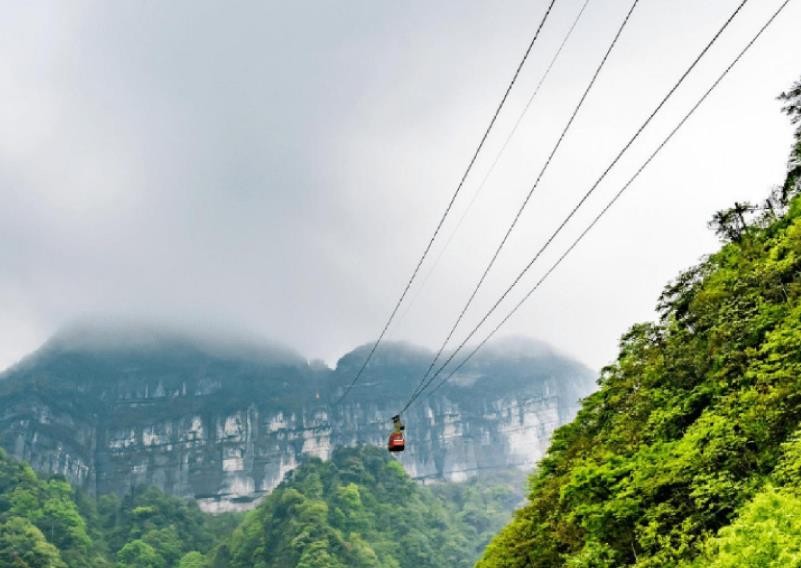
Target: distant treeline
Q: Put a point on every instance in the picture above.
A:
(358, 510)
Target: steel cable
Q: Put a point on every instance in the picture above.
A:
(608, 205)
(422, 385)
(448, 208)
(498, 156)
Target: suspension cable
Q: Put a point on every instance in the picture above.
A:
(422, 383)
(500, 153)
(611, 203)
(450, 205)
(590, 191)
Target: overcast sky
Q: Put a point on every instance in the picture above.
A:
(279, 166)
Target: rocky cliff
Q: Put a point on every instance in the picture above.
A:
(224, 422)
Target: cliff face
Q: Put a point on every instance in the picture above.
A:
(224, 424)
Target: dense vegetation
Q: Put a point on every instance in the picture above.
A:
(358, 510)
(690, 452)
(47, 523)
(361, 510)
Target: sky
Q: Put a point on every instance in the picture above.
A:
(278, 167)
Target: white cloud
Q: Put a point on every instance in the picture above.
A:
(280, 166)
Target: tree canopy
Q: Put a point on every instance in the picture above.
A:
(361, 509)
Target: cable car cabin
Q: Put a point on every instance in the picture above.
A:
(396, 442)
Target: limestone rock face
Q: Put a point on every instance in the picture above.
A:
(224, 423)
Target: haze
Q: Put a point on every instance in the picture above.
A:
(278, 167)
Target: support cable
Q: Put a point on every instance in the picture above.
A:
(422, 383)
(497, 157)
(448, 208)
(609, 204)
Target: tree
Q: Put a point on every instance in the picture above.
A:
(730, 224)
(166, 542)
(61, 520)
(767, 534)
(139, 554)
(193, 559)
(22, 545)
(792, 100)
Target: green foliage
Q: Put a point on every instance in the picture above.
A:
(361, 510)
(51, 508)
(54, 525)
(792, 100)
(767, 533)
(482, 506)
(192, 559)
(171, 526)
(668, 462)
(139, 554)
(22, 545)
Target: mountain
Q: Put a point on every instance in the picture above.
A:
(223, 420)
(689, 454)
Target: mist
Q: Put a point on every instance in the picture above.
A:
(277, 168)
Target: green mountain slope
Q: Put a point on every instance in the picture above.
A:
(360, 509)
(46, 523)
(690, 452)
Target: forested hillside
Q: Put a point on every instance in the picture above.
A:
(690, 452)
(358, 510)
(46, 523)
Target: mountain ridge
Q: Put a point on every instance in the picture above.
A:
(203, 422)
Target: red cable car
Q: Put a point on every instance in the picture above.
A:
(396, 440)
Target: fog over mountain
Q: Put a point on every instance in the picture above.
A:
(224, 420)
(279, 166)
